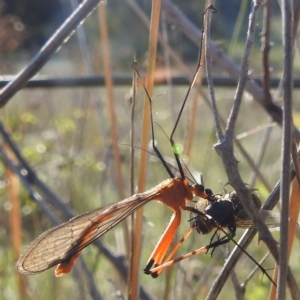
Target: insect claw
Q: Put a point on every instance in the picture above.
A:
(149, 266)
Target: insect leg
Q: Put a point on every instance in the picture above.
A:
(174, 261)
(164, 242)
(224, 240)
(170, 256)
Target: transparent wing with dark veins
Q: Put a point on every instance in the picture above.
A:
(63, 244)
(271, 219)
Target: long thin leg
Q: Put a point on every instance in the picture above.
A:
(188, 92)
(174, 261)
(158, 269)
(164, 242)
(170, 256)
(226, 239)
(152, 130)
(186, 235)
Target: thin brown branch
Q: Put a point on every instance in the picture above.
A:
(238, 288)
(208, 65)
(225, 150)
(296, 160)
(243, 75)
(244, 242)
(225, 146)
(175, 16)
(49, 49)
(265, 48)
(13, 196)
(186, 71)
(132, 179)
(287, 16)
(296, 20)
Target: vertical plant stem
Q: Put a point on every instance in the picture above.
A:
(287, 17)
(111, 106)
(12, 188)
(154, 26)
(265, 48)
(293, 223)
(132, 233)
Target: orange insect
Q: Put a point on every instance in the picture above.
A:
(63, 244)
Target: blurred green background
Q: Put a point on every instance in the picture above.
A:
(64, 133)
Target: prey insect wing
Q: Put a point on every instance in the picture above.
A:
(271, 219)
(228, 210)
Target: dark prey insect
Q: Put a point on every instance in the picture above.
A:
(218, 213)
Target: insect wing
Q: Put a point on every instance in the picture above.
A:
(271, 219)
(63, 244)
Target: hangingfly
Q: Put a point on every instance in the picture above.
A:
(63, 244)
